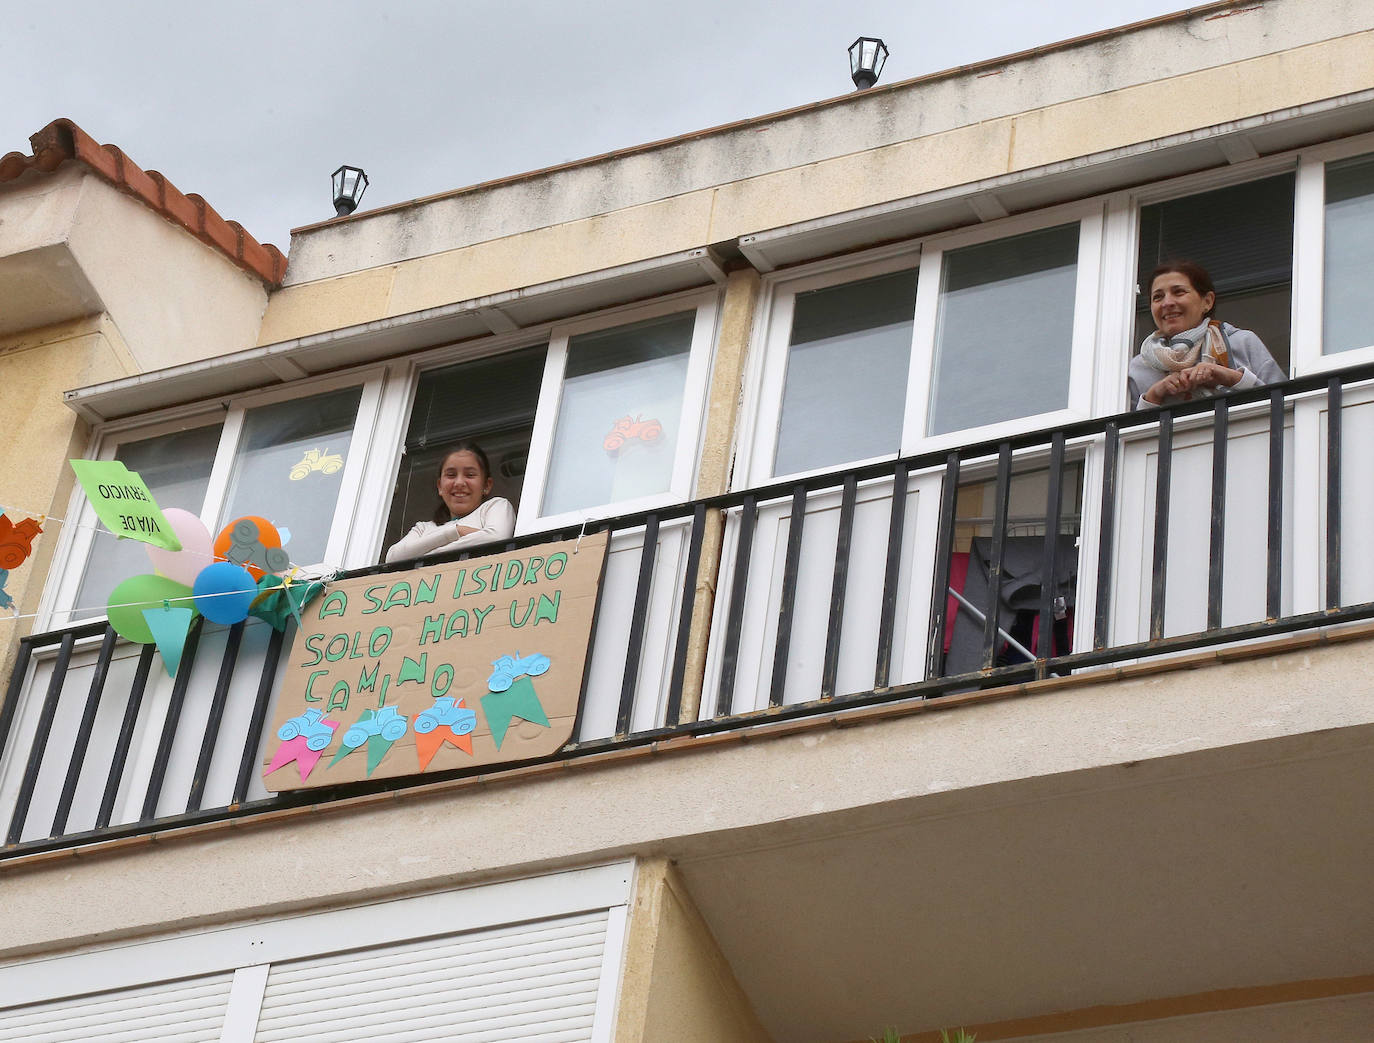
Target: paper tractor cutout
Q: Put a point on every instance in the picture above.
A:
(321, 460)
(16, 544)
(379, 729)
(447, 721)
(304, 739)
(513, 695)
(629, 428)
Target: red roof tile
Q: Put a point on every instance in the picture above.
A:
(62, 140)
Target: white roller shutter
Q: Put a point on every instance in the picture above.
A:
(185, 1011)
(534, 981)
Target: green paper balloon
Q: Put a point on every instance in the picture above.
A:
(130, 598)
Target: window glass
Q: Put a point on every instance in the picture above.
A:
(1005, 330)
(289, 466)
(1243, 235)
(844, 394)
(620, 414)
(491, 402)
(176, 468)
(1349, 304)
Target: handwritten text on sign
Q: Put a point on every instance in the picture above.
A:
(474, 662)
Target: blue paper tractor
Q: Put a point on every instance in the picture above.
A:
(385, 722)
(317, 734)
(460, 719)
(509, 667)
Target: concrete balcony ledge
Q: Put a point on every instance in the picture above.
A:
(1305, 698)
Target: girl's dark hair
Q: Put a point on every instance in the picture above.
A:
(1195, 274)
(441, 514)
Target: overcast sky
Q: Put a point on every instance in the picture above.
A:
(252, 104)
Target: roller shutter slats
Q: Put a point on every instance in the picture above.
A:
(526, 982)
(187, 1012)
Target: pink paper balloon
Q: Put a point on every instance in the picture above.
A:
(197, 550)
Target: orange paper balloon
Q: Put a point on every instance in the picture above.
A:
(254, 543)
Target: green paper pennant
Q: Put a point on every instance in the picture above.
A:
(169, 627)
(520, 700)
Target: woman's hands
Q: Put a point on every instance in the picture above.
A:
(1185, 381)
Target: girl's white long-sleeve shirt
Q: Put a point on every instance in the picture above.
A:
(494, 519)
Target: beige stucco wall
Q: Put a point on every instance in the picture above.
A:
(72, 246)
(1022, 141)
(35, 368)
(676, 984)
(173, 298)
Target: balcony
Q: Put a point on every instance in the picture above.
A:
(1209, 524)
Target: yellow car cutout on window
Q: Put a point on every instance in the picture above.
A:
(317, 460)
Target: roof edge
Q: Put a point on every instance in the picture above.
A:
(649, 146)
(62, 141)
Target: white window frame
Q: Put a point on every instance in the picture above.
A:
(77, 541)
(1309, 259)
(762, 408)
(760, 445)
(705, 307)
(1089, 216)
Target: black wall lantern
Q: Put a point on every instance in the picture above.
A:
(867, 56)
(349, 185)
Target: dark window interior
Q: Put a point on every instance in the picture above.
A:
(1243, 236)
(491, 402)
(1023, 560)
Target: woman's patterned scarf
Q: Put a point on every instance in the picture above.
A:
(1172, 354)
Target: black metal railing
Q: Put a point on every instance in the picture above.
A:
(47, 725)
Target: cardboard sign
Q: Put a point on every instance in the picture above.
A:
(472, 663)
(122, 501)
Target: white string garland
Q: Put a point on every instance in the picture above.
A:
(324, 578)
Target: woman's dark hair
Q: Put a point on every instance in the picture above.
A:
(441, 514)
(1194, 273)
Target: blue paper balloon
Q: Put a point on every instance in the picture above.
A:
(224, 592)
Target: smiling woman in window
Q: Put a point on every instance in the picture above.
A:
(467, 513)
(1190, 354)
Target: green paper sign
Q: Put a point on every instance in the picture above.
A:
(123, 503)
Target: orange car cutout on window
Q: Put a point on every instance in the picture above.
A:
(627, 428)
(16, 541)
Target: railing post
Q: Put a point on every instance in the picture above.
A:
(887, 621)
(838, 586)
(672, 713)
(171, 721)
(1163, 484)
(1051, 553)
(991, 621)
(729, 660)
(1274, 573)
(40, 739)
(786, 603)
(638, 620)
(83, 732)
(1106, 541)
(944, 555)
(1333, 493)
(1216, 554)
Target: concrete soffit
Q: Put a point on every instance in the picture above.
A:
(1208, 148)
(1215, 147)
(391, 337)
